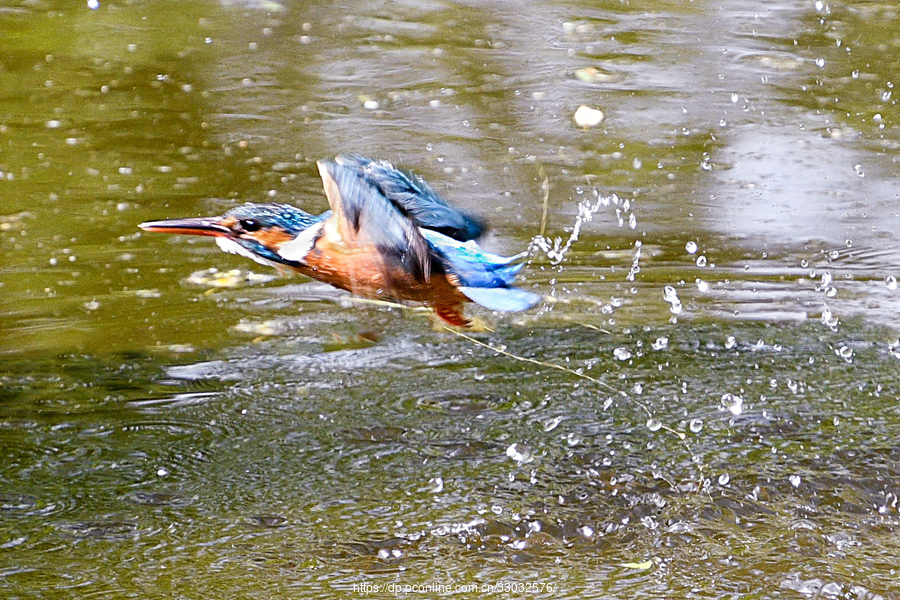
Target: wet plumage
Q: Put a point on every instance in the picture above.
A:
(388, 235)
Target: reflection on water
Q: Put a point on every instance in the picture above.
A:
(705, 404)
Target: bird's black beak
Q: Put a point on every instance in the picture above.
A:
(208, 226)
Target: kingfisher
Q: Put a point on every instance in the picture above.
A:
(388, 235)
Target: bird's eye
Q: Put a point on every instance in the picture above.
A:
(249, 224)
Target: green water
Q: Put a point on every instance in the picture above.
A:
(705, 406)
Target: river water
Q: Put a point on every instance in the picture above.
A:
(704, 406)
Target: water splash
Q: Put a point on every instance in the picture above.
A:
(622, 353)
(635, 262)
(551, 424)
(829, 320)
(671, 296)
(733, 403)
(520, 454)
(557, 249)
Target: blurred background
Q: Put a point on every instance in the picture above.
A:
(704, 406)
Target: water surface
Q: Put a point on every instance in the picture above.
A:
(704, 406)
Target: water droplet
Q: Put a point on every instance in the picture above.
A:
(724, 478)
(701, 261)
(551, 424)
(573, 439)
(162, 472)
(859, 171)
(691, 247)
(661, 343)
(855, 74)
(804, 263)
(845, 352)
(734, 403)
(696, 425)
(702, 285)
(734, 98)
(819, 5)
(654, 424)
(586, 531)
(622, 353)
(795, 480)
(730, 342)
(820, 62)
(671, 296)
(436, 485)
(891, 282)
(520, 454)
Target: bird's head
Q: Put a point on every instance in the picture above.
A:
(256, 231)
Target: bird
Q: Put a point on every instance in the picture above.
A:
(388, 235)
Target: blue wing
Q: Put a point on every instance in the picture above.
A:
(413, 228)
(485, 278)
(364, 217)
(415, 198)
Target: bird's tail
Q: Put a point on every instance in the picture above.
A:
(507, 299)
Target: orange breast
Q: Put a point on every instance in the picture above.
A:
(363, 271)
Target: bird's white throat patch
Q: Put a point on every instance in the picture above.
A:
(232, 247)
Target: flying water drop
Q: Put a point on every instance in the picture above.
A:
(671, 296)
(551, 424)
(622, 353)
(520, 454)
(734, 403)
